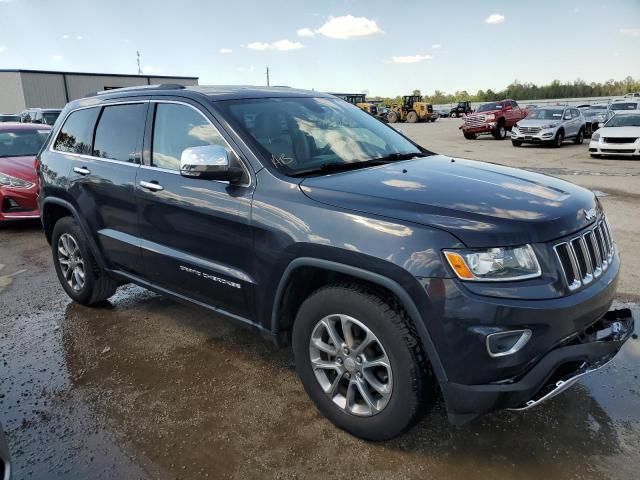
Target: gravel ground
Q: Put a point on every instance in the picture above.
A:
(147, 388)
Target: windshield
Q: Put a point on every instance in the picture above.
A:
(487, 107)
(297, 135)
(546, 114)
(624, 106)
(21, 143)
(50, 117)
(622, 120)
(9, 118)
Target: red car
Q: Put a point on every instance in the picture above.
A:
(19, 145)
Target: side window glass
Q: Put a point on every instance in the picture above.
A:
(76, 134)
(119, 132)
(575, 112)
(176, 128)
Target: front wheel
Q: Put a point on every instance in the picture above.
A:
(500, 133)
(516, 143)
(579, 137)
(453, 115)
(360, 360)
(79, 274)
(412, 117)
(470, 136)
(392, 117)
(557, 142)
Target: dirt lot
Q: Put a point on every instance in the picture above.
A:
(148, 388)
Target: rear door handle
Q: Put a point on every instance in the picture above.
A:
(82, 170)
(153, 186)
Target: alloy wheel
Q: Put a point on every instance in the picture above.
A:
(71, 262)
(351, 365)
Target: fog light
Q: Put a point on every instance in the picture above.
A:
(507, 343)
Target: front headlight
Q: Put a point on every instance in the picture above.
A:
(595, 137)
(550, 125)
(9, 181)
(494, 264)
(491, 116)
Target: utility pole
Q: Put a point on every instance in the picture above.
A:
(138, 60)
(267, 77)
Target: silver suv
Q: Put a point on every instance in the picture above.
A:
(552, 125)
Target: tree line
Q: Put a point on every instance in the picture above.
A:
(531, 91)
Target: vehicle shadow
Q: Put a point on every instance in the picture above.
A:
(21, 226)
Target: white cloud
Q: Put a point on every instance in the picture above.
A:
(632, 32)
(3, 48)
(494, 18)
(79, 37)
(286, 45)
(349, 26)
(281, 45)
(411, 58)
(56, 58)
(66, 37)
(250, 68)
(437, 45)
(258, 46)
(305, 32)
(225, 50)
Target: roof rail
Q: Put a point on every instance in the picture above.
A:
(162, 86)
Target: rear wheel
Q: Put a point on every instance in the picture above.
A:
(79, 274)
(470, 136)
(412, 117)
(453, 115)
(360, 360)
(579, 137)
(557, 142)
(500, 132)
(392, 117)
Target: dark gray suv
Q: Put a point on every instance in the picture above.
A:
(396, 274)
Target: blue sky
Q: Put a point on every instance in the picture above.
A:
(384, 47)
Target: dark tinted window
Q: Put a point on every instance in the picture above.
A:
(119, 131)
(19, 143)
(177, 127)
(77, 131)
(50, 117)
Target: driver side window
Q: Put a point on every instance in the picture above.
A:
(178, 127)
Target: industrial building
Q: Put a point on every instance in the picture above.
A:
(20, 89)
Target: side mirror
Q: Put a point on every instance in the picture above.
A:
(209, 162)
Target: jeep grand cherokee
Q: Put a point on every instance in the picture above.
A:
(394, 272)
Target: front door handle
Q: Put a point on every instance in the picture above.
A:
(82, 170)
(153, 186)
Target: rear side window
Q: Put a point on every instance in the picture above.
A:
(119, 132)
(176, 128)
(77, 131)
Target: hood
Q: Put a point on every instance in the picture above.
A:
(480, 203)
(19, 167)
(619, 132)
(534, 122)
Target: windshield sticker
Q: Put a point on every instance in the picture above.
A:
(281, 160)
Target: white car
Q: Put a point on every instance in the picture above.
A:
(620, 136)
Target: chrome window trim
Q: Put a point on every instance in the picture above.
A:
(242, 163)
(55, 134)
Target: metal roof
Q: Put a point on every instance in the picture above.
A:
(60, 72)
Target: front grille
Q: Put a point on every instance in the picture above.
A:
(585, 257)
(529, 130)
(619, 139)
(617, 150)
(474, 121)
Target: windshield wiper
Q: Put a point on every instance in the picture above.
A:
(343, 167)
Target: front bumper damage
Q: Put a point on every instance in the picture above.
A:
(582, 353)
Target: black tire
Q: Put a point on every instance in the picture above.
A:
(557, 141)
(98, 286)
(516, 143)
(453, 115)
(433, 120)
(396, 334)
(412, 117)
(470, 136)
(500, 133)
(392, 117)
(595, 155)
(579, 137)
